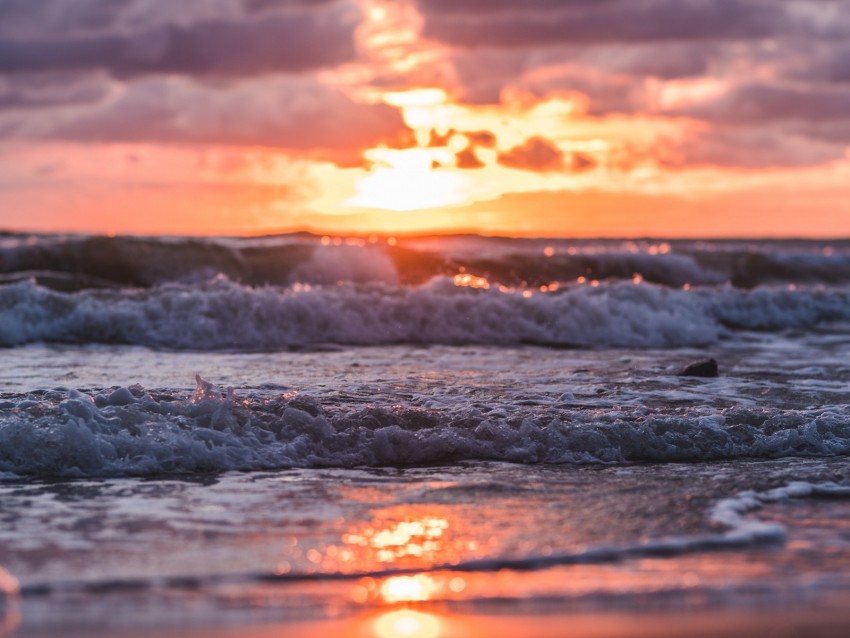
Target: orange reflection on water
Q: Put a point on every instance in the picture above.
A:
(413, 538)
(418, 588)
(407, 537)
(471, 281)
(408, 588)
(406, 623)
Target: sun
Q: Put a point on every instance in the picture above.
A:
(416, 178)
(410, 179)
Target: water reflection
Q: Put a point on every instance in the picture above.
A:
(9, 596)
(407, 537)
(408, 588)
(407, 623)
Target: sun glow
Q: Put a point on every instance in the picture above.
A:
(406, 180)
(416, 97)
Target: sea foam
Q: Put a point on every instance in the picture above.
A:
(222, 314)
(130, 431)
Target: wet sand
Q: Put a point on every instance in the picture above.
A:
(428, 623)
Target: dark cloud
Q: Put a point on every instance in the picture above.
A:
(786, 64)
(829, 64)
(264, 5)
(497, 6)
(667, 60)
(39, 19)
(285, 112)
(27, 19)
(535, 154)
(293, 41)
(749, 147)
(483, 73)
(546, 23)
(613, 77)
(41, 90)
(756, 103)
(833, 132)
(607, 92)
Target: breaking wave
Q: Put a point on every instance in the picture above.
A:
(131, 431)
(222, 314)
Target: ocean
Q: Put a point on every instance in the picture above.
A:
(423, 437)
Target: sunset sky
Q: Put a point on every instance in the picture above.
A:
(531, 117)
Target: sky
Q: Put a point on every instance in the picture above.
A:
(677, 118)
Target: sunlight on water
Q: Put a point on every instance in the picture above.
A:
(471, 281)
(406, 623)
(9, 598)
(408, 588)
(414, 541)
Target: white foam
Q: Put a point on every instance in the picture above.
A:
(732, 512)
(127, 431)
(223, 314)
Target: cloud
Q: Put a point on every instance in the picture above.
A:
(754, 103)
(468, 159)
(828, 63)
(666, 60)
(263, 5)
(535, 154)
(580, 162)
(499, 6)
(750, 147)
(472, 23)
(32, 91)
(481, 138)
(303, 37)
(223, 72)
(285, 112)
(756, 83)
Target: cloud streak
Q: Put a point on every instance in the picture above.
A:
(292, 41)
(297, 113)
(532, 24)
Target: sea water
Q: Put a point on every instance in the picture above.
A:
(224, 432)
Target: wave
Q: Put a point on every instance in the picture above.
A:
(133, 432)
(222, 314)
(70, 263)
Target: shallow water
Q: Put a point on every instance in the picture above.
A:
(317, 544)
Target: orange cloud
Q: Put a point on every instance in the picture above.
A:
(535, 154)
(468, 159)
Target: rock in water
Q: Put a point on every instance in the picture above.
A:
(701, 368)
